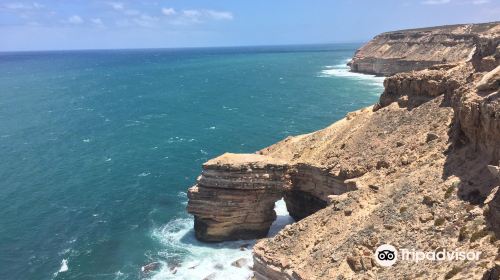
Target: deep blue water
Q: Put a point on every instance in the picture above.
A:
(97, 148)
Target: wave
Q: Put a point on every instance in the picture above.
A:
(64, 267)
(187, 258)
(343, 71)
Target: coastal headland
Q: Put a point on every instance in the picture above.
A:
(418, 170)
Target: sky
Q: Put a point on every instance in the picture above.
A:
(94, 24)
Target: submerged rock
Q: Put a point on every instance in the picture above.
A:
(150, 267)
(240, 262)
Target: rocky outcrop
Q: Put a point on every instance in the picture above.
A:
(235, 195)
(418, 170)
(310, 188)
(414, 88)
(477, 108)
(492, 202)
(417, 49)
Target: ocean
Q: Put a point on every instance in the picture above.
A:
(98, 148)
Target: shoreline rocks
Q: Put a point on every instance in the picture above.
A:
(235, 195)
(412, 171)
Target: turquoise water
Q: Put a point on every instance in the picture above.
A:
(97, 148)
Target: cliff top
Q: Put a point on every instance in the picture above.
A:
(468, 28)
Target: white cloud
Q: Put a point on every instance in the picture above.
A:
(168, 11)
(22, 6)
(117, 5)
(129, 12)
(132, 17)
(220, 15)
(191, 13)
(96, 21)
(198, 16)
(435, 2)
(120, 7)
(146, 21)
(75, 19)
(479, 2)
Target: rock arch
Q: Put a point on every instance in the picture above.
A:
(235, 195)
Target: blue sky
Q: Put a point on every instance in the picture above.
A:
(93, 24)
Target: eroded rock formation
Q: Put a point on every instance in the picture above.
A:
(235, 195)
(417, 170)
(477, 108)
(417, 49)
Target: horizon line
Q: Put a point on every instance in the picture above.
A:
(180, 48)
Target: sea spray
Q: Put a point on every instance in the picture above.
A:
(343, 71)
(199, 260)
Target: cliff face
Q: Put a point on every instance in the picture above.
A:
(235, 195)
(421, 183)
(419, 170)
(417, 49)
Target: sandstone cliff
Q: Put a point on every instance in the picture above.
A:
(420, 170)
(417, 49)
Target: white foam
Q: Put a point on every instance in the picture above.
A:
(176, 139)
(343, 71)
(197, 260)
(144, 174)
(64, 266)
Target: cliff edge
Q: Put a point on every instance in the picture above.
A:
(418, 170)
(417, 49)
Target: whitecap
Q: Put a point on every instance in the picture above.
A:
(64, 266)
(119, 275)
(175, 139)
(86, 140)
(343, 71)
(144, 174)
(108, 159)
(187, 258)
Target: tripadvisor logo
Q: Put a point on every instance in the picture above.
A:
(387, 255)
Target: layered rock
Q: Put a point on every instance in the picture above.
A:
(417, 170)
(310, 188)
(234, 197)
(422, 180)
(477, 109)
(417, 49)
(493, 202)
(414, 88)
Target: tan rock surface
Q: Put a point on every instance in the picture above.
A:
(417, 49)
(417, 170)
(235, 195)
